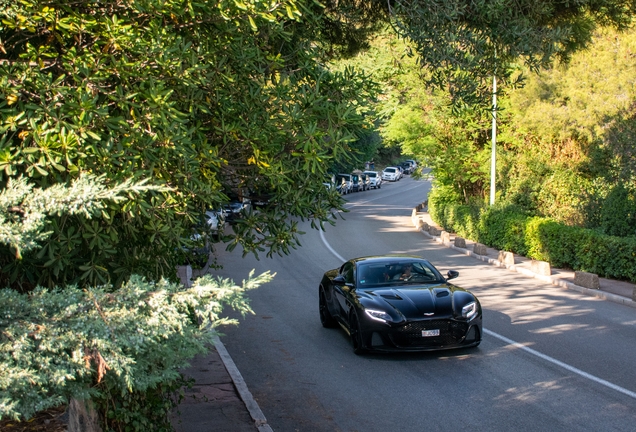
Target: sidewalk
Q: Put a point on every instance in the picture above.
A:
(219, 400)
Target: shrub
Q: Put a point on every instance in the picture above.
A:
(507, 227)
(71, 343)
(503, 228)
(548, 240)
(618, 212)
(438, 199)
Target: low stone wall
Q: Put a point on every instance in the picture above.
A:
(587, 280)
(480, 249)
(540, 267)
(507, 258)
(460, 242)
(445, 237)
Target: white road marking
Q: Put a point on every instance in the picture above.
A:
(324, 240)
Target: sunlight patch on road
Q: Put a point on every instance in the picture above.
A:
(562, 365)
(560, 329)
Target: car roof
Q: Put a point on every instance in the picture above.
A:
(395, 258)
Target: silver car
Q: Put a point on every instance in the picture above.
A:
(391, 174)
(345, 182)
(375, 179)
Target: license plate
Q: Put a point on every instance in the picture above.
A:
(429, 333)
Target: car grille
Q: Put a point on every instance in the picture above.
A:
(410, 335)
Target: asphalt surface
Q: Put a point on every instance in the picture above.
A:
(220, 400)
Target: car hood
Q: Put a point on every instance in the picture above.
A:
(418, 302)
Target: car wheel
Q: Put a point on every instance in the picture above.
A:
(326, 319)
(356, 335)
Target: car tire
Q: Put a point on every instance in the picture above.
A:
(326, 319)
(356, 335)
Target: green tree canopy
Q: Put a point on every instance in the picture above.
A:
(211, 99)
(464, 44)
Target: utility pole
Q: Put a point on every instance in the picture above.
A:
(493, 158)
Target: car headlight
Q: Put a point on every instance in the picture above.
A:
(469, 310)
(378, 315)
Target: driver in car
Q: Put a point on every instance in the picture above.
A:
(406, 273)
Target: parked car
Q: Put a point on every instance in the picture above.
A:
(214, 220)
(413, 163)
(341, 186)
(406, 167)
(400, 171)
(366, 181)
(399, 303)
(375, 179)
(359, 181)
(234, 210)
(197, 252)
(346, 186)
(391, 174)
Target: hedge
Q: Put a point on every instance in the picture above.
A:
(508, 228)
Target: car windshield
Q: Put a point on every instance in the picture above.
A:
(389, 170)
(375, 275)
(371, 174)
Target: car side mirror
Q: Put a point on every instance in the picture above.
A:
(339, 279)
(452, 274)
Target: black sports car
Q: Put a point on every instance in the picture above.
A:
(399, 303)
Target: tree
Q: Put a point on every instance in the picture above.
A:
(210, 99)
(464, 44)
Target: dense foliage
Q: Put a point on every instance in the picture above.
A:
(72, 343)
(577, 119)
(215, 100)
(121, 348)
(464, 44)
(508, 227)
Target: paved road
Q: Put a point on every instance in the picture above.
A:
(551, 359)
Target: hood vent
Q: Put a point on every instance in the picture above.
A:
(391, 296)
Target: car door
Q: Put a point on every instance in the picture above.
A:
(342, 287)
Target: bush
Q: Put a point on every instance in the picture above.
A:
(504, 228)
(507, 227)
(438, 199)
(126, 345)
(551, 241)
(618, 212)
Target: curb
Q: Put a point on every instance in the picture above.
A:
(549, 279)
(246, 396)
